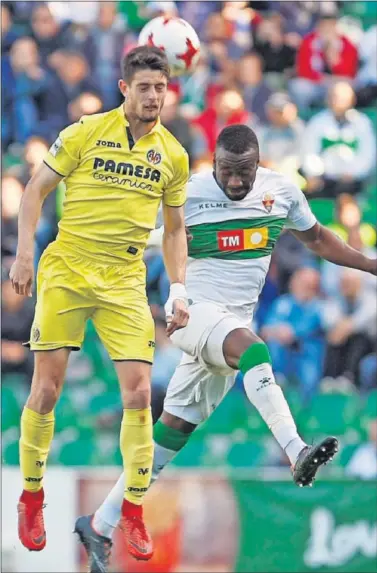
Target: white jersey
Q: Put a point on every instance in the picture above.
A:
(230, 253)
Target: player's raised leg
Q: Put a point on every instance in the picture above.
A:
(60, 316)
(136, 444)
(245, 351)
(124, 323)
(170, 434)
(37, 430)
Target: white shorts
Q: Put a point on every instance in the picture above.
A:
(202, 378)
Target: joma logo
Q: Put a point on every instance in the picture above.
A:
(103, 143)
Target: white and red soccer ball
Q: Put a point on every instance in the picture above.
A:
(177, 39)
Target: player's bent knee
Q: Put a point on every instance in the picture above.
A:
(169, 437)
(43, 396)
(237, 343)
(135, 383)
(137, 396)
(48, 379)
(176, 423)
(253, 356)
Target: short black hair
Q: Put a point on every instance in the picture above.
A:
(238, 139)
(144, 58)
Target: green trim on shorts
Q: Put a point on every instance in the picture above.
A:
(169, 438)
(256, 354)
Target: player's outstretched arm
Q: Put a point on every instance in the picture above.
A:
(329, 246)
(174, 247)
(39, 186)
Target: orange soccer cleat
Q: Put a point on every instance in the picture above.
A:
(138, 540)
(31, 530)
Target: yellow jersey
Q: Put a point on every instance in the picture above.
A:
(114, 186)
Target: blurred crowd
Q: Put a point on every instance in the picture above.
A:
(302, 74)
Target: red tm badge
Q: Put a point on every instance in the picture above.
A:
(230, 240)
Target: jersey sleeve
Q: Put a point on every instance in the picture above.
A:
(175, 193)
(300, 216)
(64, 154)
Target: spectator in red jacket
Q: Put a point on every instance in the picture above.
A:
(228, 108)
(324, 55)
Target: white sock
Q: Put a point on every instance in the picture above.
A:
(268, 398)
(108, 514)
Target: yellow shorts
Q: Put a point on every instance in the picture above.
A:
(72, 288)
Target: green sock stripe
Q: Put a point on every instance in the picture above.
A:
(169, 438)
(256, 354)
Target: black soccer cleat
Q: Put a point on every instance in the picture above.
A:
(97, 547)
(311, 458)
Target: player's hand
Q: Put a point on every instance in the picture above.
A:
(176, 308)
(179, 318)
(21, 275)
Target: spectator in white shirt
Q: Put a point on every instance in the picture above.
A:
(280, 139)
(338, 147)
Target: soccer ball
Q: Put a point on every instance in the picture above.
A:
(177, 39)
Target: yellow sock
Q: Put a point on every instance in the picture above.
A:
(136, 445)
(37, 431)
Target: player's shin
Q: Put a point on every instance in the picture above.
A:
(37, 431)
(268, 398)
(167, 443)
(136, 444)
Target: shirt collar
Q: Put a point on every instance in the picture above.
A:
(126, 123)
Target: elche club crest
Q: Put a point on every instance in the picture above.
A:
(154, 157)
(268, 201)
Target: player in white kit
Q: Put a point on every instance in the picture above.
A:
(234, 215)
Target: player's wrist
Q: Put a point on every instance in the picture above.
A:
(178, 291)
(25, 256)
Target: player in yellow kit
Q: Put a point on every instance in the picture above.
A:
(118, 167)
